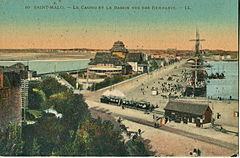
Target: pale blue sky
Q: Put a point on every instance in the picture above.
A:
(214, 18)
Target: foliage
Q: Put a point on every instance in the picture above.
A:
(39, 91)
(72, 106)
(50, 86)
(69, 78)
(75, 134)
(47, 131)
(35, 148)
(100, 138)
(36, 98)
(111, 81)
(33, 114)
(10, 141)
(137, 148)
(154, 65)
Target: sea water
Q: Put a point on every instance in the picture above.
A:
(47, 66)
(226, 87)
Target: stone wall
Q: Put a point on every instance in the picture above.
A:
(10, 106)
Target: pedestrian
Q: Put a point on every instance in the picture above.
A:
(129, 134)
(194, 154)
(134, 137)
(155, 124)
(166, 120)
(198, 152)
(139, 131)
(119, 120)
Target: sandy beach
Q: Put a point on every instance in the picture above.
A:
(28, 56)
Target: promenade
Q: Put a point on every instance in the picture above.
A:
(131, 86)
(171, 141)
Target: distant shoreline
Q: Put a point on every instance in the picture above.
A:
(223, 61)
(42, 60)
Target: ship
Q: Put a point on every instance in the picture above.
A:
(197, 85)
(216, 76)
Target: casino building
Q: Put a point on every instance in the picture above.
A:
(107, 64)
(116, 62)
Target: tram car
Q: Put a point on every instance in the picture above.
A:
(127, 103)
(110, 100)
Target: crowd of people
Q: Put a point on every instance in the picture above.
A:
(170, 87)
(195, 153)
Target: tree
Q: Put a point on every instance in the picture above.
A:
(36, 98)
(137, 148)
(69, 78)
(100, 138)
(76, 133)
(50, 86)
(72, 147)
(10, 141)
(71, 106)
(50, 133)
(35, 148)
(53, 134)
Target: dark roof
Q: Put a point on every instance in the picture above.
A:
(186, 107)
(119, 47)
(18, 67)
(136, 57)
(11, 79)
(106, 58)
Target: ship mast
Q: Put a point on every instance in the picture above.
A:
(198, 59)
(197, 44)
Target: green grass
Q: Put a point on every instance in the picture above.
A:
(35, 113)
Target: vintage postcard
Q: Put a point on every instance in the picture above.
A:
(119, 78)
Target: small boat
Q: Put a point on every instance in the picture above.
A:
(216, 76)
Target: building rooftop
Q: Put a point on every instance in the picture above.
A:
(13, 74)
(136, 57)
(119, 47)
(106, 58)
(16, 68)
(186, 107)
